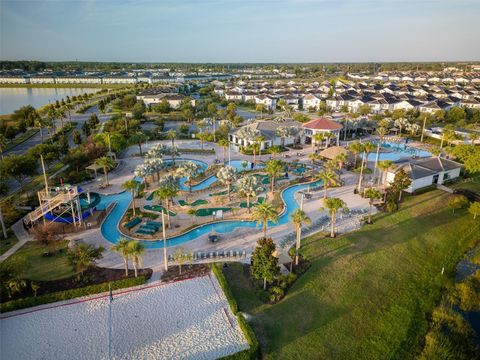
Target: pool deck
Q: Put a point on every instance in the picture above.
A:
(241, 239)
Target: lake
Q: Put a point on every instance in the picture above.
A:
(13, 98)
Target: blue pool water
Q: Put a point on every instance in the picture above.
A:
(398, 151)
(110, 225)
(238, 165)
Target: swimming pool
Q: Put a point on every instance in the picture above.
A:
(398, 151)
(238, 165)
(112, 234)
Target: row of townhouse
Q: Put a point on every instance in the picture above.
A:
(379, 97)
(437, 77)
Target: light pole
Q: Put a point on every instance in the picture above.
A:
(164, 242)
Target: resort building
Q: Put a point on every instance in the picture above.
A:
(426, 172)
(322, 126)
(268, 132)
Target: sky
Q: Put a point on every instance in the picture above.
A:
(240, 30)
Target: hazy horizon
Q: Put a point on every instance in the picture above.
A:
(240, 32)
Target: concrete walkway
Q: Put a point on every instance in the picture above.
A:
(22, 235)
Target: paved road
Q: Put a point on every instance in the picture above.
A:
(37, 139)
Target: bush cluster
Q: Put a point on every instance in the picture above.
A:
(254, 350)
(70, 294)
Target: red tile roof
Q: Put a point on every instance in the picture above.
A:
(323, 124)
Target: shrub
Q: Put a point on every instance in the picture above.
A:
(284, 281)
(276, 294)
(69, 294)
(254, 351)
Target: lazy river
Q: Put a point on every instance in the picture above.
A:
(122, 201)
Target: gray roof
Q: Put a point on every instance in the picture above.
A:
(429, 166)
(268, 128)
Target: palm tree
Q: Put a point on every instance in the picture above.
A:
(383, 166)
(334, 205)
(224, 144)
(258, 140)
(356, 148)
(107, 164)
(188, 169)
(82, 256)
(473, 136)
(275, 150)
(227, 175)
(3, 144)
(167, 190)
(263, 213)
(136, 249)
(318, 139)
(172, 134)
(313, 157)
(381, 132)
(367, 148)
(131, 185)
(203, 136)
(248, 186)
(328, 178)
(372, 194)
(299, 217)
(139, 138)
(274, 168)
(123, 248)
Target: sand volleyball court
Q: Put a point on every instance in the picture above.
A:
(190, 319)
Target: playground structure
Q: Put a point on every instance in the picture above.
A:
(65, 204)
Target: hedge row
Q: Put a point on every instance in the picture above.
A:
(69, 294)
(254, 351)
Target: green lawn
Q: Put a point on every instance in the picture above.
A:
(31, 264)
(7, 243)
(472, 184)
(367, 295)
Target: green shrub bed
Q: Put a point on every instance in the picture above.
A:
(254, 348)
(70, 294)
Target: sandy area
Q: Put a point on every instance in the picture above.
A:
(184, 320)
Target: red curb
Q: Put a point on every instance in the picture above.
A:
(98, 297)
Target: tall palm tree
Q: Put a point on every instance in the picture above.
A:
(139, 138)
(367, 148)
(328, 178)
(227, 176)
(334, 205)
(383, 166)
(372, 194)
(248, 186)
(136, 249)
(381, 132)
(167, 190)
(274, 168)
(107, 164)
(224, 144)
(188, 169)
(356, 148)
(258, 140)
(123, 248)
(172, 135)
(299, 218)
(263, 213)
(132, 186)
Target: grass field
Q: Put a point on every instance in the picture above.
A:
(7, 243)
(367, 295)
(31, 264)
